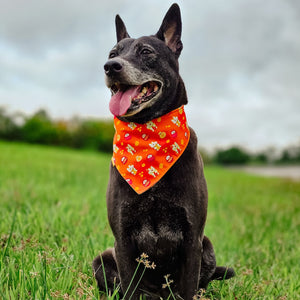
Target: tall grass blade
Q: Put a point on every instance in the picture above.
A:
(116, 291)
(138, 282)
(169, 287)
(10, 235)
(131, 281)
(45, 276)
(104, 275)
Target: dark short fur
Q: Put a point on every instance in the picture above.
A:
(167, 221)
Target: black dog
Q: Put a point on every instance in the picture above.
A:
(166, 221)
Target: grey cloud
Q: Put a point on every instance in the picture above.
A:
(35, 26)
(240, 62)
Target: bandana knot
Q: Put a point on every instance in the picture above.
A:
(143, 153)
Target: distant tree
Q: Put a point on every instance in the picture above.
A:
(93, 134)
(285, 157)
(9, 130)
(232, 156)
(290, 154)
(42, 115)
(260, 157)
(206, 156)
(63, 136)
(39, 129)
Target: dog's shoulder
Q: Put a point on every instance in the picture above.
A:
(193, 142)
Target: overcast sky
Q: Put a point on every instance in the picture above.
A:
(240, 62)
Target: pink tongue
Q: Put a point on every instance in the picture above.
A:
(121, 101)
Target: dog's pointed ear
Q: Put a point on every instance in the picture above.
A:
(120, 29)
(170, 30)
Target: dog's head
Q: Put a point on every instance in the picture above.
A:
(142, 73)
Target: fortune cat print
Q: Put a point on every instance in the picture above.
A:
(157, 195)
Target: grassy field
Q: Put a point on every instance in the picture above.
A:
(53, 223)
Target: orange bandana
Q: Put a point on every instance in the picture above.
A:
(143, 153)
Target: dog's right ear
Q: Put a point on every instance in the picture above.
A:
(170, 30)
(121, 29)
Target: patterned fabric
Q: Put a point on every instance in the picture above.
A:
(143, 153)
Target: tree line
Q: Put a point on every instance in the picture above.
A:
(237, 155)
(87, 133)
(39, 128)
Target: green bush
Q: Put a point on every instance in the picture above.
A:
(9, 130)
(97, 135)
(37, 130)
(261, 158)
(232, 156)
(290, 155)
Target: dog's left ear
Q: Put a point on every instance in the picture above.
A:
(121, 29)
(170, 30)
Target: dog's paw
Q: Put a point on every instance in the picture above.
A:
(222, 273)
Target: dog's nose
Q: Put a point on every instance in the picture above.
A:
(112, 67)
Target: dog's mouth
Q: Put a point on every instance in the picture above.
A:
(128, 100)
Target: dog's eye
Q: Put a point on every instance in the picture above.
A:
(146, 51)
(112, 55)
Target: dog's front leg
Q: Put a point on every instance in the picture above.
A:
(190, 271)
(126, 268)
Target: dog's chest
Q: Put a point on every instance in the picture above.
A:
(157, 227)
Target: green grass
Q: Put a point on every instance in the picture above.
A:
(53, 223)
